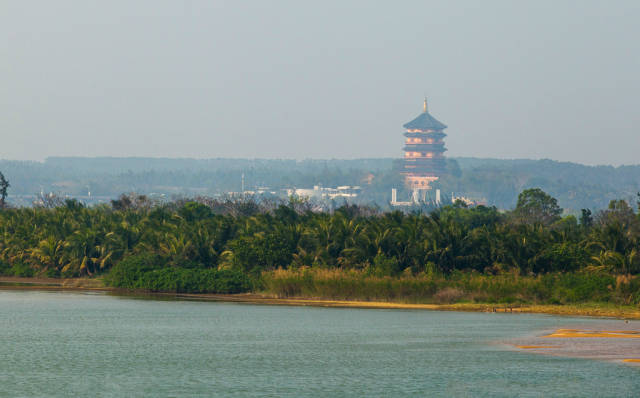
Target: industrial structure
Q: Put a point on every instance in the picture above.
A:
(319, 192)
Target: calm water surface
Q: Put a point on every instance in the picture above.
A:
(56, 344)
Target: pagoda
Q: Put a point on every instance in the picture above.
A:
(424, 160)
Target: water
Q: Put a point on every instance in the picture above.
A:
(78, 344)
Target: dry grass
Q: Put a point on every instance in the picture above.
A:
(464, 292)
(448, 295)
(52, 283)
(337, 284)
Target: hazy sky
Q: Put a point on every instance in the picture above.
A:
(319, 79)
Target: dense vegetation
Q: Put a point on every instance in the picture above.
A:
(531, 253)
(548, 288)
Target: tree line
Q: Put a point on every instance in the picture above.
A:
(204, 244)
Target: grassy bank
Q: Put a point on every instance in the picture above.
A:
(458, 287)
(8, 282)
(284, 288)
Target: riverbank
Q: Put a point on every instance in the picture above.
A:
(593, 310)
(16, 282)
(96, 284)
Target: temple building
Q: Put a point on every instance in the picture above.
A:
(424, 160)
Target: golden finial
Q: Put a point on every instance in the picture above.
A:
(424, 108)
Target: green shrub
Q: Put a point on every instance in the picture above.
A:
(581, 287)
(5, 268)
(231, 281)
(128, 272)
(52, 273)
(22, 270)
(385, 266)
(628, 291)
(141, 272)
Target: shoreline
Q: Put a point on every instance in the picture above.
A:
(85, 284)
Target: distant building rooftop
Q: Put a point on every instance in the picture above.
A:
(425, 122)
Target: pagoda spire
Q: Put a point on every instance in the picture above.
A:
(424, 106)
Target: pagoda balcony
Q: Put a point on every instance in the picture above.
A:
(424, 160)
(424, 147)
(418, 163)
(436, 135)
(425, 171)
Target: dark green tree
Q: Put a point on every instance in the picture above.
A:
(586, 219)
(4, 186)
(536, 207)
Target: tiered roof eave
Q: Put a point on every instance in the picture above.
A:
(425, 121)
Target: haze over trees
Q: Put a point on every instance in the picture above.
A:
(496, 182)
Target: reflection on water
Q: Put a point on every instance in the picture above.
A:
(73, 344)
